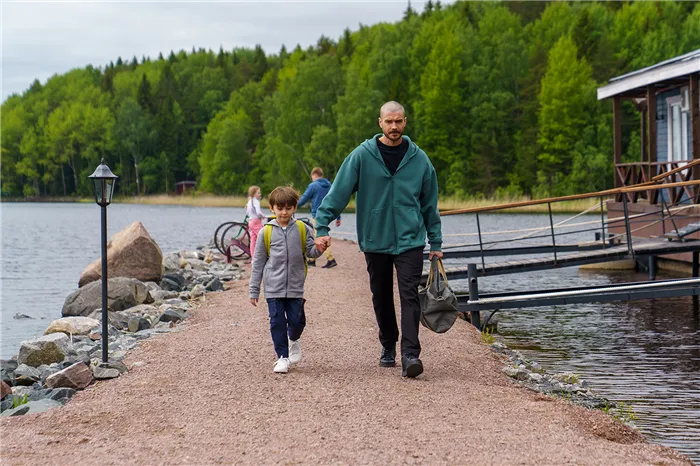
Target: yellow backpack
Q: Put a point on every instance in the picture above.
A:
(267, 237)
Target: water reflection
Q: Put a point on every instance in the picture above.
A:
(644, 353)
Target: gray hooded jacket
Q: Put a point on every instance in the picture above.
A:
(282, 273)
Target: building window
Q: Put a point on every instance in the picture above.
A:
(678, 116)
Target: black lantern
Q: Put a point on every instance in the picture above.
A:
(104, 181)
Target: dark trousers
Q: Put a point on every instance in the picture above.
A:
(409, 266)
(287, 319)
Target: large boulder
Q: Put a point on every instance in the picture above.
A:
(44, 350)
(123, 293)
(78, 376)
(130, 253)
(72, 325)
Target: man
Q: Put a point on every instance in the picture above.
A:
(396, 201)
(315, 192)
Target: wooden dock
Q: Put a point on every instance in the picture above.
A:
(641, 248)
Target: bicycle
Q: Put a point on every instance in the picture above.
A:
(232, 239)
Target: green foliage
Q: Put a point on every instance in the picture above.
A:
(500, 95)
(18, 401)
(487, 336)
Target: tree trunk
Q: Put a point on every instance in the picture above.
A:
(75, 174)
(138, 182)
(63, 180)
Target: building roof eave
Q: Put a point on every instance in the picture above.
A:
(674, 68)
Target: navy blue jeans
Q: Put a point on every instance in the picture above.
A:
(287, 319)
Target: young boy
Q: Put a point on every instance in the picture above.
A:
(280, 263)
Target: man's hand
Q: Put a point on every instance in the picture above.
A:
(254, 301)
(322, 243)
(337, 222)
(437, 254)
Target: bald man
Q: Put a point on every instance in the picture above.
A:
(397, 195)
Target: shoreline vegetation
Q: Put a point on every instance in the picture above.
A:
(445, 203)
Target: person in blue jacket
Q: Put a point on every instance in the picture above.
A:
(315, 192)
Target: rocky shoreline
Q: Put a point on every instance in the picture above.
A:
(49, 370)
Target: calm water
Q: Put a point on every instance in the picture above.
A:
(644, 353)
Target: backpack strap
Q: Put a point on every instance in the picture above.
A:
(267, 237)
(302, 235)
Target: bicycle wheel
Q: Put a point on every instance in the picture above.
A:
(236, 240)
(218, 238)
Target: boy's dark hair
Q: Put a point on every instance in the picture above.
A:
(317, 171)
(284, 196)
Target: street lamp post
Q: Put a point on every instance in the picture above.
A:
(104, 181)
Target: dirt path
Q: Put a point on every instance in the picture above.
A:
(208, 395)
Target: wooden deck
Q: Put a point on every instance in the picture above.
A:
(641, 248)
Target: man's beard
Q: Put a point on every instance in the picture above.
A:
(393, 136)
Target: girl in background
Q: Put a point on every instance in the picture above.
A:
(255, 216)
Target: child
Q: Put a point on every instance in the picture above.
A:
(255, 216)
(280, 258)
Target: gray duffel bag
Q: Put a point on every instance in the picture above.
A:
(438, 303)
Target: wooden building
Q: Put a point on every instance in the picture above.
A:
(667, 97)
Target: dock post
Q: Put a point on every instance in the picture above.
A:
(551, 226)
(474, 293)
(696, 255)
(652, 268)
(627, 225)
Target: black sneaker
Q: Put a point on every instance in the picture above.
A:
(311, 263)
(412, 366)
(329, 264)
(388, 357)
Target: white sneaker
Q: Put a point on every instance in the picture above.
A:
(282, 366)
(294, 351)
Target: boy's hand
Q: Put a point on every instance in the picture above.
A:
(337, 222)
(322, 243)
(254, 301)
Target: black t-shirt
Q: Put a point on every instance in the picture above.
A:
(393, 155)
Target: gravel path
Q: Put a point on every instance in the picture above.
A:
(207, 395)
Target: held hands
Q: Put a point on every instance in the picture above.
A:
(322, 243)
(254, 301)
(337, 222)
(437, 254)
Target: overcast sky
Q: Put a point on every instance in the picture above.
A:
(40, 39)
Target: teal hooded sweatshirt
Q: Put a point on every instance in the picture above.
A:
(393, 212)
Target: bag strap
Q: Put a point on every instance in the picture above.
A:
(441, 269)
(302, 234)
(267, 237)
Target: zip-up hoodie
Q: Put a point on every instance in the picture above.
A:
(393, 212)
(315, 192)
(282, 273)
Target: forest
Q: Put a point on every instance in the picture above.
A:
(500, 95)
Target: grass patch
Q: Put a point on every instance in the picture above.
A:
(444, 203)
(20, 400)
(487, 337)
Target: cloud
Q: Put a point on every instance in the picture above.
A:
(40, 39)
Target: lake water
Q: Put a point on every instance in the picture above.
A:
(643, 353)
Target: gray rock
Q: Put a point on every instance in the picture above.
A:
(162, 295)
(215, 285)
(18, 411)
(44, 350)
(172, 315)
(8, 364)
(535, 378)
(138, 323)
(41, 406)
(102, 372)
(123, 293)
(152, 286)
(57, 394)
(173, 281)
(120, 320)
(171, 262)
